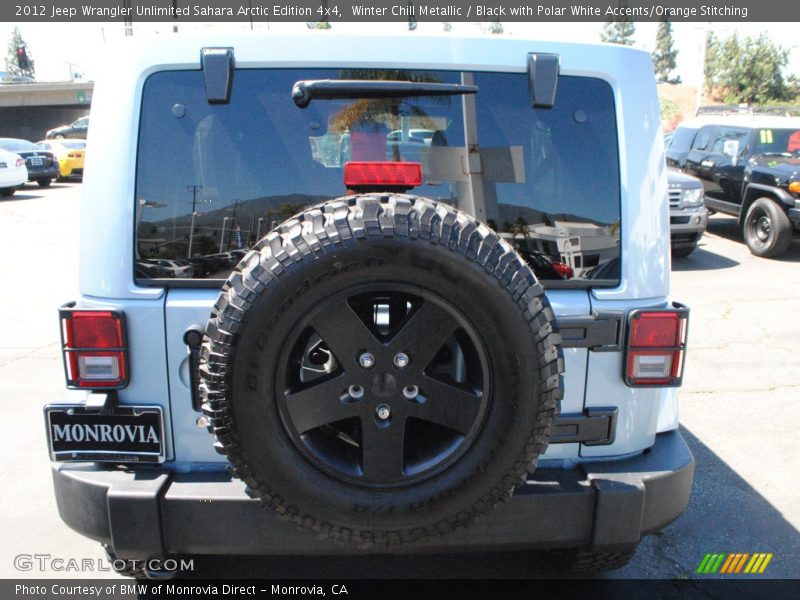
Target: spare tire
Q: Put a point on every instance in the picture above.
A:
(380, 369)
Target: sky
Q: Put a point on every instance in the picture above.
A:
(60, 49)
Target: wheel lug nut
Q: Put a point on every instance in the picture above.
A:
(410, 392)
(383, 411)
(356, 392)
(401, 360)
(366, 360)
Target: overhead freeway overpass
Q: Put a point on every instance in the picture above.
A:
(28, 110)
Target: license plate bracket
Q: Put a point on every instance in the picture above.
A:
(124, 434)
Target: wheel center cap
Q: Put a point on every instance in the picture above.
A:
(384, 385)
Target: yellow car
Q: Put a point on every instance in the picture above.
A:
(70, 154)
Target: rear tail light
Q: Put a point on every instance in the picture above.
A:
(384, 173)
(95, 348)
(656, 347)
(20, 162)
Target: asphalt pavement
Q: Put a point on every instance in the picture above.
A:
(739, 413)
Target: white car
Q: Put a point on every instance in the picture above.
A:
(178, 269)
(13, 172)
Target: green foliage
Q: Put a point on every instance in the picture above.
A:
(664, 54)
(12, 66)
(670, 114)
(619, 31)
(749, 70)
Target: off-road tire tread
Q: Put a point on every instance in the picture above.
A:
(586, 562)
(349, 221)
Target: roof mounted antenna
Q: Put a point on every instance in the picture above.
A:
(543, 69)
(218, 65)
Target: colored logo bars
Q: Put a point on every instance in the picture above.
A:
(734, 563)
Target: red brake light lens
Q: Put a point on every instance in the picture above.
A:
(95, 350)
(656, 347)
(94, 330)
(20, 162)
(386, 173)
(655, 329)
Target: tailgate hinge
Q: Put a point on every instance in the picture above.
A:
(543, 71)
(218, 65)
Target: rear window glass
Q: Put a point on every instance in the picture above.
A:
(682, 139)
(13, 145)
(213, 179)
(703, 138)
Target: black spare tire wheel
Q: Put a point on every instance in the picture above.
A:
(381, 369)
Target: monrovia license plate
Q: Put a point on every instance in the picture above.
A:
(124, 434)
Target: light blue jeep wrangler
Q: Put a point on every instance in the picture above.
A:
(401, 290)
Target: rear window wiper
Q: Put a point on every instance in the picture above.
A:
(303, 92)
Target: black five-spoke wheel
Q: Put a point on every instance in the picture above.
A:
(384, 387)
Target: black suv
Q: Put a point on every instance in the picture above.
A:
(750, 168)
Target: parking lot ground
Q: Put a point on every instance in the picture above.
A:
(738, 411)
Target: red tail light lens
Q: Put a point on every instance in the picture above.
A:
(20, 162)
(387, 173)
(656, 347)
(95, 348)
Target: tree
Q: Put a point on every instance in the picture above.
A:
(749, 70)
(619, 31)
(19, 61)
(710, 65)
(664, 54)
(670, 114)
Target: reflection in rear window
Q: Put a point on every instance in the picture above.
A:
(213, 179)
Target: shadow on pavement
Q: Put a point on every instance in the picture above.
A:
(725, 515)
(19, 197)
(702, 260)
(728, 227)
(526, 564)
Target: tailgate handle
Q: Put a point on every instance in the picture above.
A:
(193, 338)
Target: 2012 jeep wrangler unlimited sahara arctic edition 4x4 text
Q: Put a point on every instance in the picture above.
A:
(376, 360)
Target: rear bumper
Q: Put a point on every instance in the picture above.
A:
(154, 513)
(46, 173)
(71, 167)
